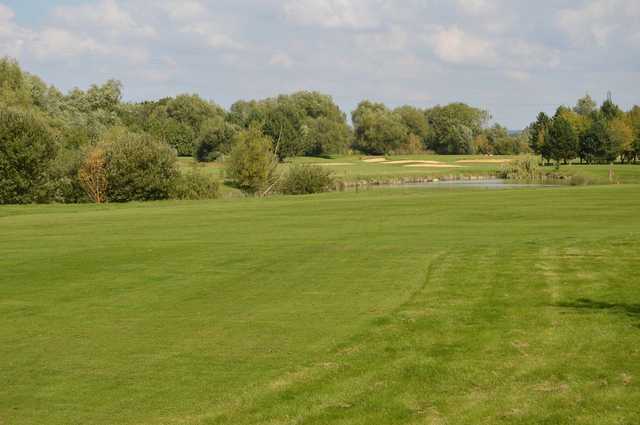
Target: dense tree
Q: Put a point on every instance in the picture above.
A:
(634, 121)
(563, 140)
(592, 141)
(537, 134)
(138, 167)
(454, 127)
(496, 140)
(585, 106)
(324, 136)
(27, 150)
(252, 163)
(296, 123)
(214, 140)
(610, 110)
(415, 121)
(245, 113)
(620, 140)
(378, 130)
(283, 124)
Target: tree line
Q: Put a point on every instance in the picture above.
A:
(90, 145)
(587, 132)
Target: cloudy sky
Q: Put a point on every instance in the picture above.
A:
(513, 57)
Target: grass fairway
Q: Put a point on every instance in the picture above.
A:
(401, 306)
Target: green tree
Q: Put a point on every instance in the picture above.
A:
(324, 136)
(610, 110)
(585, 106)
(563, 140)
(176, 121)
(454, 127)
(537, 133)
(27, 151)
(619, 142)
(592, 141)
(634, 121)
(252, 163)
(378, 131)
(283, 124)
(214, 140)
(415, 121)
(138, 167)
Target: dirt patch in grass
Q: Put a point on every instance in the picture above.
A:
(374, 160)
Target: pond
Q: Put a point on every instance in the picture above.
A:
(490, 184)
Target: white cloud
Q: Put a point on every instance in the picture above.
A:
(107, 15)
(518, 75)
(394, 39)
(281, 59)
(13, 38)
(453, 45)
(598, 21)
(193, 17)
(333, 13)
(210, 36)
(6, 14)
(477, 7)
(58, 42)
(184, 10)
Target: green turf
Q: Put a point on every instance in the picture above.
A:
(396, 306)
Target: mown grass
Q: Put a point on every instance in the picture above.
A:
(396, 306)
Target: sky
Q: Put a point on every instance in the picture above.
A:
(511, 57)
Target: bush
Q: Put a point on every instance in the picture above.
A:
(252, 163)
(139, 168)
(526, 169)
(27, 149)
(194, 185)
(64, 186)
(306, 179)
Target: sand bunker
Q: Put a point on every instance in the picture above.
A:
(434, 166)
(484, 161)
(331, 164)
(374, 160)
(415, 161)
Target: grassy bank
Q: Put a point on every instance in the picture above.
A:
(385, 307)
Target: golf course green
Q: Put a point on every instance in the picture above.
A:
(402, 306)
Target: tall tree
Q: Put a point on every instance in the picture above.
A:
(563, 140)
(610, 110)
(585, 106)
(537, 133)
(378, 130)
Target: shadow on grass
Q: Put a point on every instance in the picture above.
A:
(590, 306)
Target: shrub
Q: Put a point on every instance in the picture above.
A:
(93, 175)
(252, 163)
(64, 185)
(306, 179)
(139, 168)
(194, 185)
(27, 150)
(526, 168)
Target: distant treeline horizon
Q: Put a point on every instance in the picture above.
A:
(46, 136)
